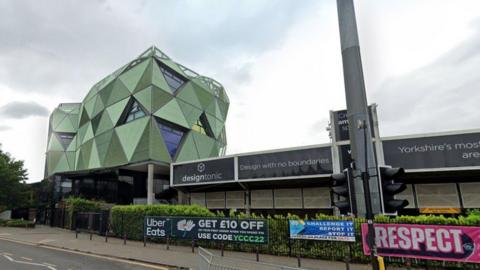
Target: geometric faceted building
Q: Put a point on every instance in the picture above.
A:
(131, 125)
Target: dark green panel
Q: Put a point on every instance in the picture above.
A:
(115, 155)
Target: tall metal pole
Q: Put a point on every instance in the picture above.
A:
(357, 111)
(360, 132)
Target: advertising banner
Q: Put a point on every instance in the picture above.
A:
(313, 161)
(341, 124)
(432, 242)
(253, 231)
(204, 172)
(156, 227)
(460, 150)
(333, 230)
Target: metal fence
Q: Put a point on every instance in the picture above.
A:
(208, 261)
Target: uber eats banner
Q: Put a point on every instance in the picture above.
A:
(253, 231)
(433, 242)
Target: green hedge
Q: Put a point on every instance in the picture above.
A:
(129, 220)
(76, 205)
(17, 223)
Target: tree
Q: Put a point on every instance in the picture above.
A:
(14, 192)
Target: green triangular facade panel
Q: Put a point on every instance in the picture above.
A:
(70, 159)
(142, 151)
(158, 150)
(158, 80)
(52, 160)
(215, 124)
(73, 144)
(84, 118)
(65, 126)
(88, 133)
(204, 144)
(223, 109)
(129, 135)
(215, 151)
(105, 123)
(192, 114)
(146, 79)
(62, 165)
(187, 94)
(106, 92)
(94, 161)
(89, 106)
(115, 155)
(54, 144)
(74, 120)
(115, 111)
(159, 98)
(57, 119)
(98, 106)
(85, 151)
(131, 77)
(145, 98)
(78, 160)
(203, 96)
(118, 93)
(172, 112)
(103, 142)
(188, 150)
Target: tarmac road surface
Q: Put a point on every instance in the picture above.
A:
(18, 256)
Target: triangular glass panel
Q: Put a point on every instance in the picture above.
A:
(65, 138)
(133, 111)
(172, 136)
(202, 126)
(173, 79)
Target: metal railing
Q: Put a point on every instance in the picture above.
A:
(208, 261)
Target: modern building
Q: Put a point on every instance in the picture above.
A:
(118, 143)
(442, 173)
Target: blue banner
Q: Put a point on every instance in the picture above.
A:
(333, 230)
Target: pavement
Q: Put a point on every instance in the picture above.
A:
(134, 251)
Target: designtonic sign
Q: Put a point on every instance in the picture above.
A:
(209, 171)
(220, 229)
(313, 161)
(333, 230)
(448, 243)
(461, 150)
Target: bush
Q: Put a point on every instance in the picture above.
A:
(76, 205)
(17, 223)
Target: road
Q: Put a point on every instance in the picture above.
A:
(17, 256)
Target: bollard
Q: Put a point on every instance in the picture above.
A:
(144, 241)
(299, 262)
(168, 243)
(347, 262)
(91, 235)
(222, 246)
(106, 235)
(257, 255)
(381, 264)
(124, 238)
(76, 233)
(193, 245)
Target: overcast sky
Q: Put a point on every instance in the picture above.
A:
(279, 61)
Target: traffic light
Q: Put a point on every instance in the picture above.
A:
(388, 176)
(342, 186)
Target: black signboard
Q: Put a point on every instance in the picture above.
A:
(209, 171)
(346, 155)
(461, 150)
(341, 124)
(301, 162)
(254, 231)
(156, 227)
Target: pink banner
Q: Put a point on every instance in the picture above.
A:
(432, 242)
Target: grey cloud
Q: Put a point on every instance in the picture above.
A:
(442, 95)
(4, 128)
(20, 110)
